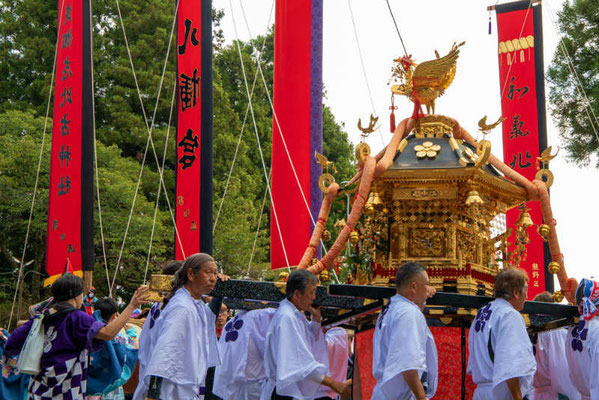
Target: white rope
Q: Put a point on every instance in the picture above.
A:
(37, 175)
(149, 141)
(579, 86)
(91, 36)
(242, 126)
(351, 13)
(279, 126)
(258, 137)
(247, 273)
(168, 128)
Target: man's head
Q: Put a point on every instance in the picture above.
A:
(544, 297)
(222, 317)
(587, 298)
(301, 288)
(512, 285)
(171, 267)
(68, 288)
(413, 283)
(107, 307)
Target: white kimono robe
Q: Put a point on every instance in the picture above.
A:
(510, 344)
(338, 353)
(550, 379)
(241, 348)
(582, 353)
(185, 347)
(295, 358)
(402, 341)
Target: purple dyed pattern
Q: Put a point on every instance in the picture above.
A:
(315, 111)
(64, 361)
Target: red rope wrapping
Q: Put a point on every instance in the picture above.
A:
(553, 222)
(558, 257)
(359, 194)
(322, 221)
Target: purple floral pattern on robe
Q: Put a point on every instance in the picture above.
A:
(64, 362)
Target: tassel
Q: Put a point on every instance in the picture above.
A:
(489, 22)
(392, 116)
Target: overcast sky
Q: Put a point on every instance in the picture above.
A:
(427, 25)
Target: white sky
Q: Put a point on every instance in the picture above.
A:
(427, 25)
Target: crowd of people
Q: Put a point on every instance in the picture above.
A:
(191, 348)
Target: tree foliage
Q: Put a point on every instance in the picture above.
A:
(27, 44)
(577, 116)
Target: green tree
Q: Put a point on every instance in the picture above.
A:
(576, 118)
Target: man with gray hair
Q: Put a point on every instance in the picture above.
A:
(404, 360)
(296, 358)
(501, 361)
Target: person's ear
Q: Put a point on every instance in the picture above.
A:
(190, 274)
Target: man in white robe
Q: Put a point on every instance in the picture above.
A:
(148, 335)
(295, 358)
(582, 343)
(404, 354)
(337, 351)
(186, 343)
(501, 360)
(550, 353)
(241, 347)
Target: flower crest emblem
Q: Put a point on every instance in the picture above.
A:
(232, 328)
(579, 335)
(482, 317)
(49, 338)
(154, 314)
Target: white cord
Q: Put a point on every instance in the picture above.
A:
(37, 174)
(242, 126)
(258, 137)
(168, 128)
(351, 12)
(149, 141)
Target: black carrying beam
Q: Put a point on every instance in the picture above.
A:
(454, 299)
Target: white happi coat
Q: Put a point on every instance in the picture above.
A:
(295, 358)
(402, 342)
(551, 379)
(338, 353)
(510, 344)
(185, 347)
(582, 353)
(241, 348)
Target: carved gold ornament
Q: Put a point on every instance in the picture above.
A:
(485, 128)
(326, 236)
(483, 151)
(362, 151)
(558, 296)
(427, 150)
(324, 181)
(371, 126)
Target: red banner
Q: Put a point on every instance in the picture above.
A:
(297, 129)
(194, 128)
(521, 77)
(452, 379)
(70, 203)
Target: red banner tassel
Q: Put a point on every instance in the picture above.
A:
(392, 122)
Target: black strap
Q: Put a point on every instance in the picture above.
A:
(57, 312)
(490, 347)
(154, 387)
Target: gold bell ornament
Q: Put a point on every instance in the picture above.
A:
(543, 231)
(553, 267)
(473, 198)
(558, 296)
(324, 276)
(524, 219)
(354, 237)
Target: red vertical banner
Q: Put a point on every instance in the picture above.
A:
(194, 128)
(69, 239)
(297, 129)
(521, 77)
